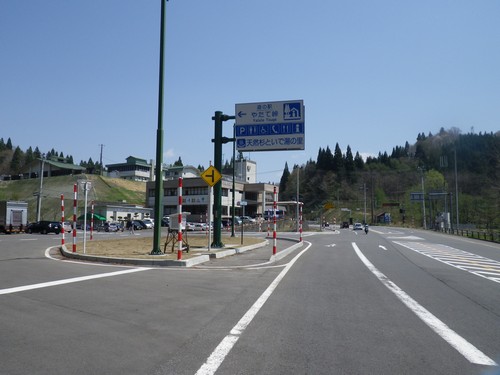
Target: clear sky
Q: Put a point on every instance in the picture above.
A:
(75, 74)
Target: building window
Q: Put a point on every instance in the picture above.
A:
(195, 191)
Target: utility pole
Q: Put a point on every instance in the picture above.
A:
(100, 159)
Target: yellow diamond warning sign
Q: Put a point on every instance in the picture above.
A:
(211, 176)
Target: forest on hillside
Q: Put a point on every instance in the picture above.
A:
(445, 166)
(441, 165)
(13, 160)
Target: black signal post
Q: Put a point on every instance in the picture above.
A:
(218, 140)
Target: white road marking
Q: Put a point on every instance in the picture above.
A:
(69, 281)
(460, 259)
(469, 351)
(382, 247)
(222, 350)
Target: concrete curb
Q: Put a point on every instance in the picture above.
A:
(287, 251)
(136, 261)
(180, 263)
(236, 250)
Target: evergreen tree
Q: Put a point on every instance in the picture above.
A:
(28, 156)
(9, 144)
(338, 161)
(284, 179)
(349, 161)
(17, 160)
(358, 161)
(3, 146)
(178, 163)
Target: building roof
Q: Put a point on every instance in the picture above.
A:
(62, 165)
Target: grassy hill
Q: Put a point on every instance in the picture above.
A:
(104, 189)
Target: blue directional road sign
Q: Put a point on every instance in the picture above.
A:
(270, 126)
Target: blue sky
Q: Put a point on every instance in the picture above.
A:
(75, 74)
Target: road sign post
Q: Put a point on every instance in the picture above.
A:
(270, 126)
(211, 176)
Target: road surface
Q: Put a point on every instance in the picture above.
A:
(395, 301)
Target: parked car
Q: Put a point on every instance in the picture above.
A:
(190, 226)
(149, 223)
(358, 226)
(110, 227)
(68, 227)
(200, 226)
(248, 220)
(165, 221)
(44, 227)
(138, 224)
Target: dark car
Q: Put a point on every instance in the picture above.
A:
(345, 224)
(44, 227)
(138, 225)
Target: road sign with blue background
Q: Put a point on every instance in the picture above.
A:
(270, 126)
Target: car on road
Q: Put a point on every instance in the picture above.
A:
(44, 227)
(358, 226)
(345, 224)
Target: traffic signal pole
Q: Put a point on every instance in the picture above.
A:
(218, 140)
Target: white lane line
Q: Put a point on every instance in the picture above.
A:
(469, 351)
(69, 281)
(222, 350)
(382, 247)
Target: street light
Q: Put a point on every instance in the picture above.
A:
(422, 170)
(39, 201)
(158, 209)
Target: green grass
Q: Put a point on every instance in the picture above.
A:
(104, 189)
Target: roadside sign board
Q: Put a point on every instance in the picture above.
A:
(211, 175)
(328, 206)
(416, 197)
(270, 126)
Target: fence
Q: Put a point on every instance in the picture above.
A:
(477, 234)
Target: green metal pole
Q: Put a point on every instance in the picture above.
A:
(234, 187)
(158, 209)
(217, 242)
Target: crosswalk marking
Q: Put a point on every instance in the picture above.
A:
(475, 264)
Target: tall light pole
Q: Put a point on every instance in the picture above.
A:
(298, 199)
(423, 195)
(39, 201)
(158, 209)
(456, 185)
(364, 192)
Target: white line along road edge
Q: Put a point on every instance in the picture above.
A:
(469, 351)
(222, 350)
(69, 281)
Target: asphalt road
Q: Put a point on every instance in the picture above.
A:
(395, 301)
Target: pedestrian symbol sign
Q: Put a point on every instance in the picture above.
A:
(211, 176)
